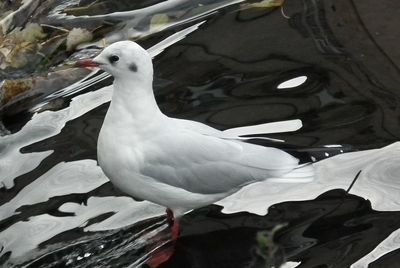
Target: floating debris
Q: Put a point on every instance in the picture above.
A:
(158, 21)
(77, 36)
(268, 3)
(17, 46)
(19, 94)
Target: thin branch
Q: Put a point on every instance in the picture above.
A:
(354, 181)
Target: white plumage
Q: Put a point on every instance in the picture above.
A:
(179, 164)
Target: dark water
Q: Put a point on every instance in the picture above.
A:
(58, 210)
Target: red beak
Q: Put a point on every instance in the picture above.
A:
(87, 63)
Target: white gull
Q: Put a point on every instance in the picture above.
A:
(176, 163)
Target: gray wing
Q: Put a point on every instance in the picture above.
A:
(201, 163)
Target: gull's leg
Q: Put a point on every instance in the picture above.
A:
(165, 253)
(173, 223)
(170, 217)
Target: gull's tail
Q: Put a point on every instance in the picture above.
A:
(301, 174)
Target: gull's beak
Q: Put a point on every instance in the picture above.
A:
(87, 63)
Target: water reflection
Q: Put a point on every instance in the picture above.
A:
(40, 127)
(335, 229)
(134, 24)
(63, 179)
(291, 83)
(41, 229)
(378, 181)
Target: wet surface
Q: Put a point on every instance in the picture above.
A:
(59, 210)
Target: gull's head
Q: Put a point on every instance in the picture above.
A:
(124, 59)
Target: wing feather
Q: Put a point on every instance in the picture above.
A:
(206, 164)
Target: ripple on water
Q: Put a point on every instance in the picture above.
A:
(41, 126)
(378, 182)
(63, 179)
(42, 228)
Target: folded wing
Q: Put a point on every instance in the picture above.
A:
(207, 164)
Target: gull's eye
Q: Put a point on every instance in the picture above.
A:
(113, 58)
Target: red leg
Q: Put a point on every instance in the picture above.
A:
(175, 230)
(170, 217)
(164, 254)
(174, 224)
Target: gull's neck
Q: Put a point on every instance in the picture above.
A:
(134, 98)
